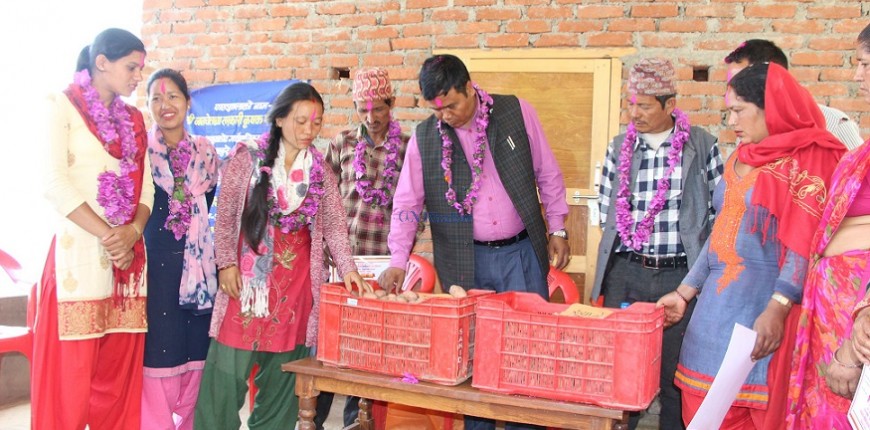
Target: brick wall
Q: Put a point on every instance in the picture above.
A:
(222, 41)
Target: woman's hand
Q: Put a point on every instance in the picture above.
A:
(354, 278)
(860, 344)
(841, 377)
(675, 303)
(770, 326)
(120, 239)
(230, 281)
(123, 262)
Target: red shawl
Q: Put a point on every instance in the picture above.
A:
(130, 279)
(796, 160)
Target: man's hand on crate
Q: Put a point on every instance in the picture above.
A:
(354, 278)
(391, 279)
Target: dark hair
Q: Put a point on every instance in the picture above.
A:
(84, 58)
(749, 83)
(440, 74)
(758, 51)
(114, 43)
(864, 38)
(256, 213)
(174, 76)
(663, 99)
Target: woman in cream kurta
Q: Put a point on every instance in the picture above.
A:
(88, 336)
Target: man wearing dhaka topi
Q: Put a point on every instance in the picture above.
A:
(656, 209)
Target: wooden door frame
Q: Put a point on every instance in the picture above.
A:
(605, 74)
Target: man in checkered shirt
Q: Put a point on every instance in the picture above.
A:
(652, 238)
(367, 183)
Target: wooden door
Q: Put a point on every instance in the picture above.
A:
(576, 94)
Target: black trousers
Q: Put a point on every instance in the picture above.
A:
(628, 281)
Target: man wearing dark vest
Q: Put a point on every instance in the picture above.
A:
(656, 210)
(478, 164)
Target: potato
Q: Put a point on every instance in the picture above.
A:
(369, 295)
(457, 291)
(409, 296)
(380, 293)
(391, 297)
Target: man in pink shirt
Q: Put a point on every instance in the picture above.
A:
(478, 165)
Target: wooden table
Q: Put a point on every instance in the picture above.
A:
(312, 377)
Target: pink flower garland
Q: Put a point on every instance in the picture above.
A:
(181, 201)
(305, 214)
(114, 191)
(481, 121)
(365, 187)
(624, 219)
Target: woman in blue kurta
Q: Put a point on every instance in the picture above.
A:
(182, 274)
(754, 264)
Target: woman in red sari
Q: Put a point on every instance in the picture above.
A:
(89, 332)
(826, 366)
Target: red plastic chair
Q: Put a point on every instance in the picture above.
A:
(558, 280)
(13, 338)
(421, 271)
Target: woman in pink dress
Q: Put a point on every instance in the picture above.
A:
(278, 207)
(826, 363)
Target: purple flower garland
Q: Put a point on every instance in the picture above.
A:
(365, 187)
(481, 121)
(304, 215)
(114, 191)
(624, 219)
(181, 201)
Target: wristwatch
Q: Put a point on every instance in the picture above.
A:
(560, 233)
(783, 300)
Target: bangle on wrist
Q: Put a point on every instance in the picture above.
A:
(835, 360)
(136, 229)
(226, 266)
(783, 300)
(682, 296)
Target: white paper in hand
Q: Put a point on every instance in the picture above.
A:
(859, 411)
(732, 374)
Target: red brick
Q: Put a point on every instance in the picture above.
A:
(312, 23)
(344, 60)
(609, 39)
(851, 104)
(337, 34)
(243, 12)
(834, 12)
(401, 18)
(689, 103)
(805, 74)
(291, 37)
(356, 21)
(404, 101)
(529, 26)
(248, 62)
(292, 62)
(384, 60)
(477, 27)
(837, 75)
(156, 4)
(197, 78)
(223, 76)
(403, 43)
(507, 40)
(185, 52)
(424, 4)
(449, 15)
(827, 89)
(289, 10)
(192, 27)
(347, 47)
(525, 2)
(227, 27)
(717, 45)
(224, 2)
(272, 75)
(801, 27)
(273, 24)
(656, 10)
(378, 6)
(600, 12)
(498, 14)
(189, 3)
(631, 24)
(308, 49)
(832, 44)
(699, 88)
(740, 27)
(225, 50)
(712, 11)
(580, 26)
(817, 59)
(335, 8)
(169, 15)
(556, 39)
(850, 26)
(683, 26)
(156, 29)
(170, 41)
(311, 73)
(377, 33)
(660, 41)
(248, 38)
(272, 49)
(460, 41)
(769, 11)
(413, 116)
(473, 2)
(423, 30)
(790, 42)
(214, 14)
(566, 12)
(708, 119)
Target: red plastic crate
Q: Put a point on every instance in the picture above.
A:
(432, 340)
(523, 347)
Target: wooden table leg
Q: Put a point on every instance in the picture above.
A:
(366, 421)
(622, 424)
(307, 401)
